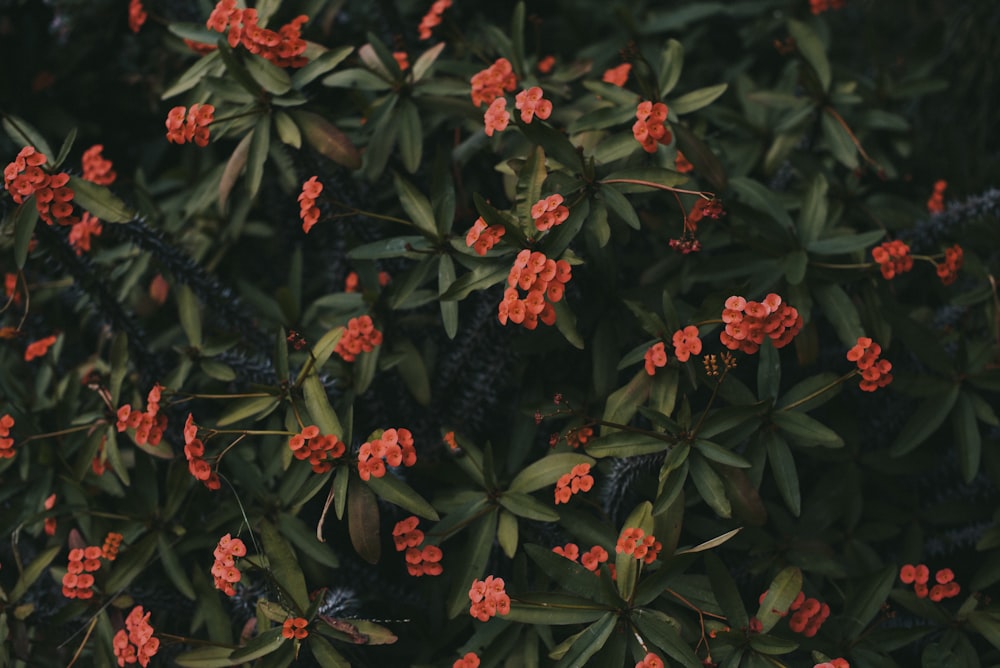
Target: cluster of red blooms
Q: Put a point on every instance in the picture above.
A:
(184, 125)
(360, 336)
(531, 103)
(136, 15)
(650, 661)
(577, 480)
(546, 64)
(25, 177)
(703, 208)
(393, 447)
(947, 271)
(634, 541)
(685, 245)
(488, 598)
(401, 60)
(6, 443)
(808, 615)
(294, 628)
(96, 168)
(617, 76)
(80, 233)
(591, 559)
(893, 258)
(318, 449)
(352, 282)
(432, 18)
(112, 542)
(656, 357)
(496, 117)
(135, 643)
(682, 164)
(874, 372)
(577, 437)
(747, 323)
(283, 47)
(936, 202)
(408, 538)
(470, 660)
(820, 6)
(545, 282)
(78, 580)
(649, 129)
(686, 343)
(194, 450)
(490, 84)
(834, 663)
(308, 211)
(148, 424)
(482, 237)
(49, 526)
(549, 212)
(920, 575)
(38, 348)
(224, 569)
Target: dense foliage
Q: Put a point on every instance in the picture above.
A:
(540, 334)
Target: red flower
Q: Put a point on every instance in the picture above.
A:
(531, 103)
(49, 526)
(489, 84)
(649, 128)
(594, 557)
(432, 18)
(549, 212)
(874, 371)
(283, 47)
(96, 168)
(360, 336)
(650, 661)
(309, 212)
(78, 580)
(38, 348)
(470, 660)
(184, 125)
(682, 164)
(747, 325)
(111, 544)
(947, 271)
(893, 257)
(406, 534)
(401, 60)
(571, 551)
(80, 233)
(482, 238)
(136, 16)
(543, 279)
(224, 569)
(656, 357)
(577, 480)
(634, 541)
(425, 561)
(834, 663)
(936, 203)
(496, 117)
(686, 343)
(136, 642)
(488, 598)
(295, 628)
(393, 447)
(617, 76)
(546, 64)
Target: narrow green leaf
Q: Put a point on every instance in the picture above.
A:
(967, 437)
(709, 485)
(757, 196)
(551, 609)
(305, 540)
(259, 145)
(589, 642)
(324, 136)
(262, 644)
(784, 588)
(24, 228)
(865, 601)
(812, 217)
(726, 592)
(546, 471)
(697, 99)
(394, 490)
(326, 655)
(190, 314)
(528, 507)
(100, 201)
(64, 150)
(924, 422)
(507, 533)
(411, 136)
(482, 277)
(245, 408)
(362, 521)
(131, 563)
(449, 309)
(783, 469)
(623, 403)
(806, 431)
(768, 372)
(663, 631)
(271, 78)
(320, 65)
(357, 78)
(841, 312)
(711, 543)
(529, 183)
(32, 572)
(23, 134)
(809, 45)
(283, 565)
(413, 371)
(987, 623)
(472, 562)
(555, 144)
(671, 64)
(845, 243)
(234, 167)
(625, 444)
(705, 162)
(175, 570)
(205, 657)
(618, 203)
(204, 66)
(425, 61)
(839, 140)
(718, 453)
(416, 205)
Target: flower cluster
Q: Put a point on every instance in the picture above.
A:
(808, 615)
(820, 6)
(80, 233)
(488, 598)
(634, 541)
(685, 245)
(136, 15)
(651, 660)
(482, 237)
(308, 211)
(920, 575)
(656, 357)
(360, 336)
(549, 212)
(470, 660)
(78, 580)
(224, 569)
(283, 47)
(406, 534)
(577, 480)
(531, 103)
(649, 129)
(393, 447)
(617, 76)
(96, 168)
(893, 257)
(591, 559)
(136, 643)
(703, 208)
(747, 323)
(432, 18)
(184, 125)
(148, 424)
(295, 628)
(112, 542)
(6, 442)
(947, 271)
(496, 117)
(38, 348)
(318, 449)
(686, 343)
(834, 663)
(25, 177)
(409, 538)
(194, 451)
(874, 372)
(490, 84)
(577, 437)
(682, 164)
(543, 279)
(936, 202)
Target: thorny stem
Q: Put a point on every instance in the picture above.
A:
(825, 388)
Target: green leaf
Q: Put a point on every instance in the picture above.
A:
(259, 145)
(507, 533)
(305, 540)
(411, 136)
(813, 52)
(234, 167)
(175, 570)
(865, 601)
(528, 507)
(757, 196)
(784, 588)
(413, 371)
(546, 471)
(190, 315)
(388, 248)
(624, 402)
(131, 563)
(66, 147)
(726, 592)
(555, 144)
(100, 201)
(529, 183)
(768, 372)
(625, 444)
(705, 162)
(23, 134)
(589, 641)
(924, 422)
(425, 60)
(358, 78)
(783, 469)
(718, 453)
(841, 312)
(805, 430)
(697, 99)
(845, 243)
(271, 78)
(812, 217)
(24, 228)
(320, 65)
(967, 436)
(449, 309)
(244, 408)
(551, 609)
(217, 370)
(642, 179)
(567, 573)
(472, 562)
(191, 77)
(841, 145)
(262, 644)
(711, 543)
(325, 654)
(324, 136)
(416, 205)
(987, 623)
(618, 203)
(363, 522)
(32, 572)
(662, 630)
(484, 276)
(395, 491)
(283, 565)
(206, 657)
(709, 485)
(671, 64)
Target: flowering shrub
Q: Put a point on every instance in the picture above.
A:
(600, 267)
